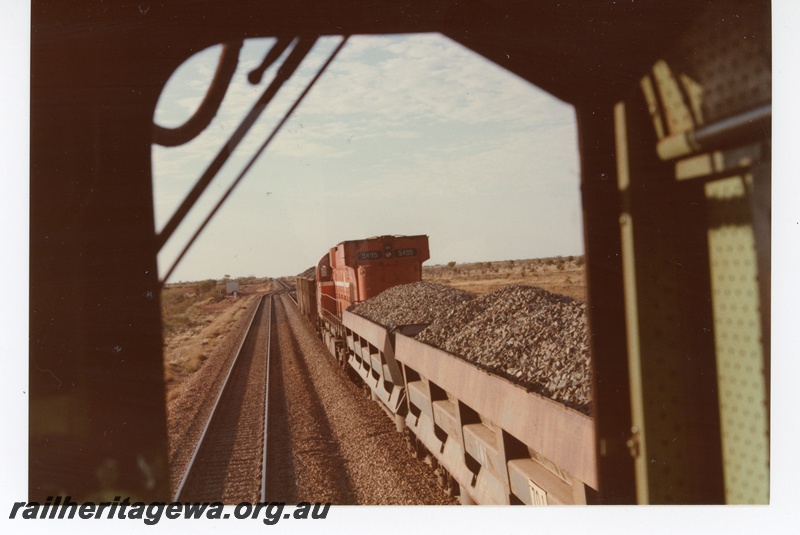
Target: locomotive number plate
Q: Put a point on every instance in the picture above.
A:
(407, 252)
(369, 255)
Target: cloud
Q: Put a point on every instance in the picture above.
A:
(424, 75)
(417, 131)
(380, 87)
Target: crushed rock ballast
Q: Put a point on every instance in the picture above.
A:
(408, 304)
(532, 337)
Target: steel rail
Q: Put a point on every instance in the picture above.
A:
(266, 405)
(287, 288)
(294, 300)
(216, 403)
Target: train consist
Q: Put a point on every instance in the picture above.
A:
(675, 146)
(490, 440)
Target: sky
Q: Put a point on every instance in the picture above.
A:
(403, 134)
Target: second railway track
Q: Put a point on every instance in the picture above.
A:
(325, 441)
(228, 461)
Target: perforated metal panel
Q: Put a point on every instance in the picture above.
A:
(729, 57)
(740, 360)
(670, 415)
(675, 435)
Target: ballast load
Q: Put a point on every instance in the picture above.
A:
(528, 335)
(491, 440)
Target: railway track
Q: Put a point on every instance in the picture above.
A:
(326, 443)
(228, 463)
(286, 288)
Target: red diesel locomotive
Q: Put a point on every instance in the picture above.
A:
(354, 271)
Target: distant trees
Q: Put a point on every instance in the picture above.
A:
(204, 287)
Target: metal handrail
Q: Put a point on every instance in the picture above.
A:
(732, 131)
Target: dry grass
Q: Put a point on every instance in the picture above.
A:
(195, 318)
(560, 275)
